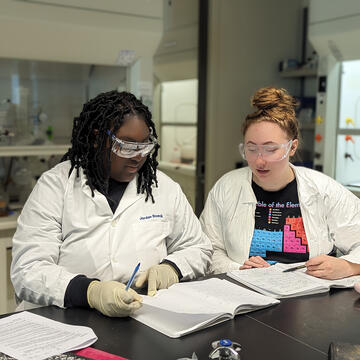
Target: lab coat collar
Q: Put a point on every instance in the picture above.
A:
(248, 195)
(306, 197)
(103, 207)
(130, 195)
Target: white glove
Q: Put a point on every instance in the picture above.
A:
(111, 298)
(158, 277)
(357, 287)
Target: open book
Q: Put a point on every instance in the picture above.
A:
(191, 306)
(272, 281)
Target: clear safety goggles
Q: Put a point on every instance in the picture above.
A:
(129, 149)
(269, 152)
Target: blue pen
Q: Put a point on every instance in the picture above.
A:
(131, 280)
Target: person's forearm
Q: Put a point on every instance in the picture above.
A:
(38, 282)
(174, 266)
(221, 263)
(355, 268)
(76, 292)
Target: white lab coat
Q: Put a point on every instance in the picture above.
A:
(63, 231)
(331, 216)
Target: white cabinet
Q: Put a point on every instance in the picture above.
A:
(7, 298)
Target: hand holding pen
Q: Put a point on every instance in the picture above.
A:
(295, 268)
(132, 277)
(113, 298)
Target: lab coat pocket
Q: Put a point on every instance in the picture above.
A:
(150, 240)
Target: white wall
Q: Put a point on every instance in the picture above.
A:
(82, 31)
(247, 39)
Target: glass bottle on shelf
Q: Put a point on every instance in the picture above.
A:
(7, 121)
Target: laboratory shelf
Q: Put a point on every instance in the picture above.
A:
(307, 126)
(8, 222)
(33, 150)
(301, 72)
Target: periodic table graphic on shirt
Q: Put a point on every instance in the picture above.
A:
(279, 233)
(294, 236)
(291, 240)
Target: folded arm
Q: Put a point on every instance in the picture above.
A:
(187, 246)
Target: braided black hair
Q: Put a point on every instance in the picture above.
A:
(89, 137)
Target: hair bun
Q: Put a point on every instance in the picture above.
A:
(271, 97)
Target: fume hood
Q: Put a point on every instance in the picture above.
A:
(175, 93)
(177, 54)
(334, 30)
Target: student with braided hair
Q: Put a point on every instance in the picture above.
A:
(105, 208)
(272, 211)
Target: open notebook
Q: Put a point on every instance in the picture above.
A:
(272, 281)
(191, 306)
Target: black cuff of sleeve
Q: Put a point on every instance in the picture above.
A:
(76, 292)
(179, 274)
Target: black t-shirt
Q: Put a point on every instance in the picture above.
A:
(115, 193)
(279, 233)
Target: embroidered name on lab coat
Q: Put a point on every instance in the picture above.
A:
(150, 217)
